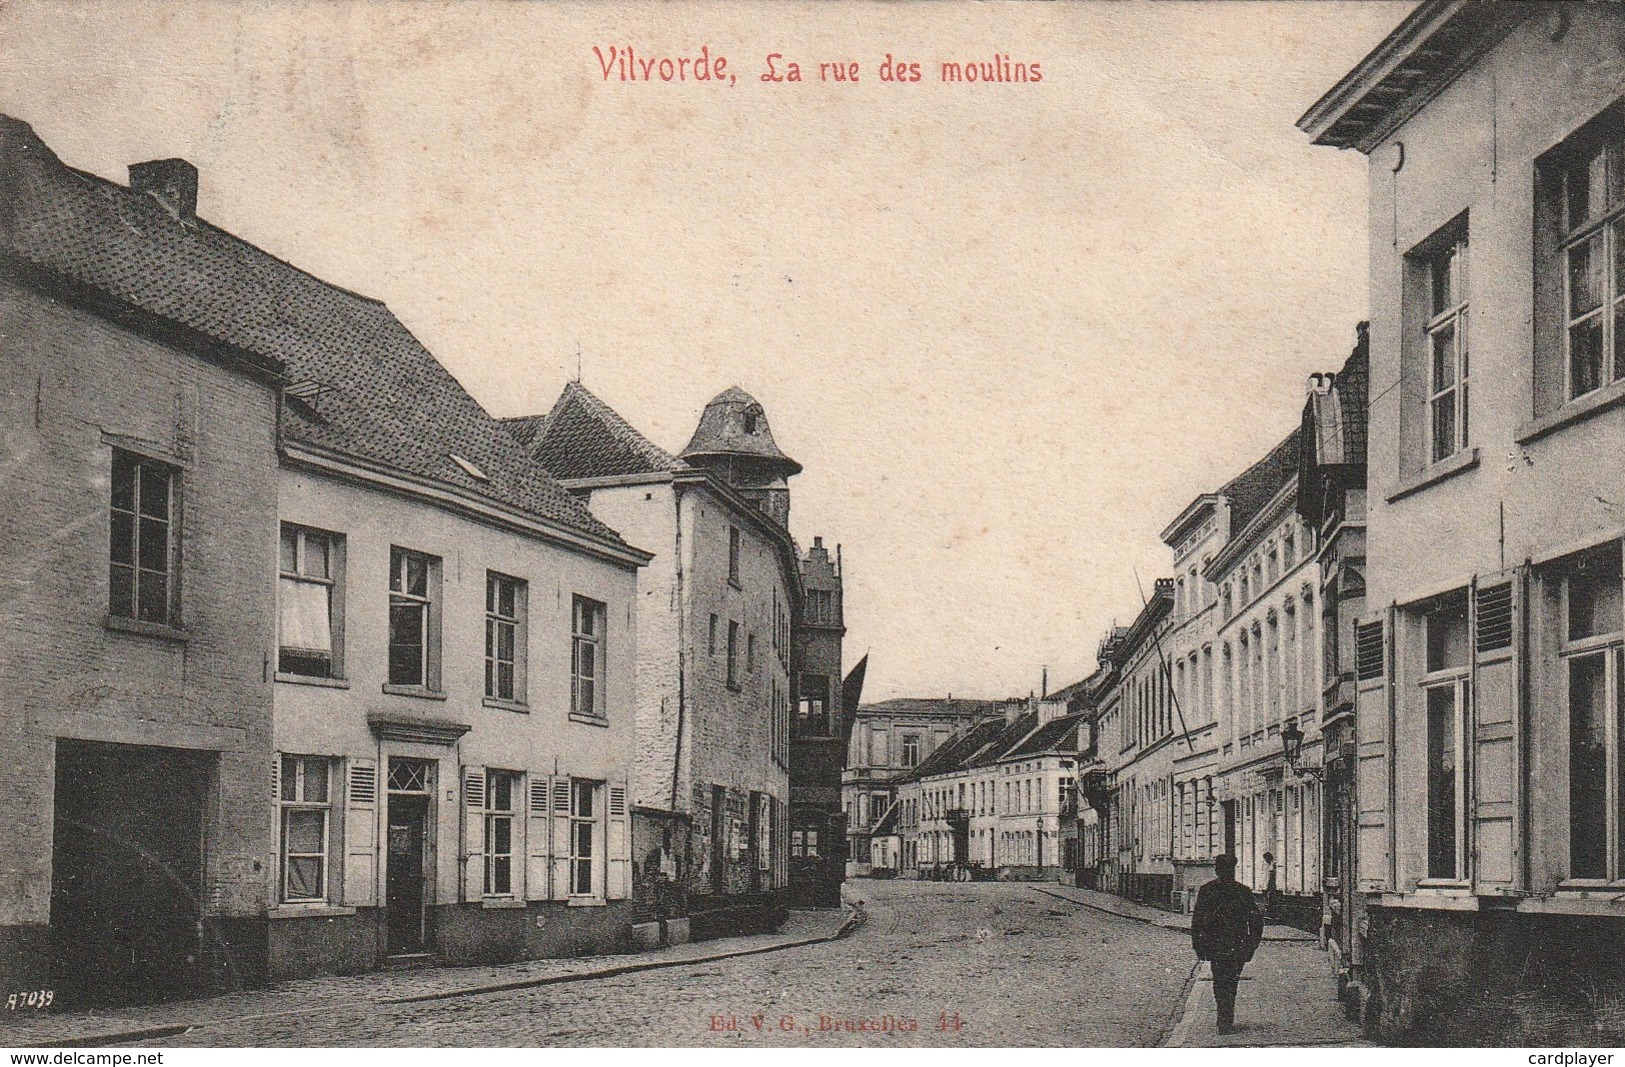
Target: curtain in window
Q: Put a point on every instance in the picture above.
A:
(304, 623)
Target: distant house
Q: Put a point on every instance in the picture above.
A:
(887, 740)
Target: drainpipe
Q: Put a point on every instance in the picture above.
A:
(682, 640)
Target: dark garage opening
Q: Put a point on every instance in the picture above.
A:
(127, 872)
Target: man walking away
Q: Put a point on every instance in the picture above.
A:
(1225, 930)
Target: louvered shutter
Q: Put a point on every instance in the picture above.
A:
(538, 838)
(361, 834)
(561, 837)
(618, 847)
(275, 873)
(1493, 731)
(1372, 733)
(473, 833)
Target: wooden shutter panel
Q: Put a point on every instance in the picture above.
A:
(473, 833)
(361, 834)
(1496, 604)
(618, 847)
(561, 837)
(538, 839)
(1372, 763)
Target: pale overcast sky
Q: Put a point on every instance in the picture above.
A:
(1010, 330)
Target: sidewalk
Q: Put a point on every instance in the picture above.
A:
(1287, 998)
(1128, 909)
(118, 1025)
(1288, 995)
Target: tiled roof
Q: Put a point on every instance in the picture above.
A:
(1076, 689)
(1258, 484)
(583, 437)
(887, 823)
(1008, 738)
(951, 756)
(927, 707)
(1059, 734)
(379, 396)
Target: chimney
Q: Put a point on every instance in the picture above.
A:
(172, 182)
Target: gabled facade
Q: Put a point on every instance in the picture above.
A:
(820, 734)
(717, 610)
(1488, 746)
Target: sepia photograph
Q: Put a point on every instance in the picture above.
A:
(867, 524)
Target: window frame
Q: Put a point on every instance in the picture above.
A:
(1609, 647)
(428, 602)
(1451, 249)
(1456, 679)
(597, 612)
(733, 557)
(134, 516)
(517, 625)
(588, 788)
(297, 803)
(493, 816)
(333, 582)
(733, 655)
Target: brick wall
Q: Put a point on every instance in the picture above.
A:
(68, 382)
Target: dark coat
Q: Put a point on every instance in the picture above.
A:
(1226, 924)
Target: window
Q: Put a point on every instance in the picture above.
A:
(142, 543)
(1587, 177)
(879, 754)
(583, 836)
(733, 556)
(504, 637)
(413, 583)
(305, 800)
(750, 653)
(762, 805)
(812, 714)
(500, 788)
(1446, 690)
(911, 750)
(307, 603)
(733, 654)
(1591, 653)
(587, 659)
(711, 638)
(1446, 263)
(820, 608)
(804, 842)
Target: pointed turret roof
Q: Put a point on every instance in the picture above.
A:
(733, 425)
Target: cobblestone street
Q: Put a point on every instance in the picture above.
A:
(967, 964)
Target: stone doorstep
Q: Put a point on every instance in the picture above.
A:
(18, 1038)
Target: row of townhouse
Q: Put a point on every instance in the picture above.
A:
(992, 802)
(1389, 673)
(1469, 515)
(888, 740)
(316, 666)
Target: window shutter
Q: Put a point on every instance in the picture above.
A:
(1372, 732)
(361, 835)
(1494, 621)
(1368, 651)
(1492, 733)
(276, 778)
(473, 833)
(538, 839)
(618, 868)
(561, 837)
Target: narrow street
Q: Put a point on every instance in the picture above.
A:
(1009, 964)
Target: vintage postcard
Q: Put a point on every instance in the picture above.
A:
(843, 525)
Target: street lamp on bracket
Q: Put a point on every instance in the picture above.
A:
(1292, 750)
